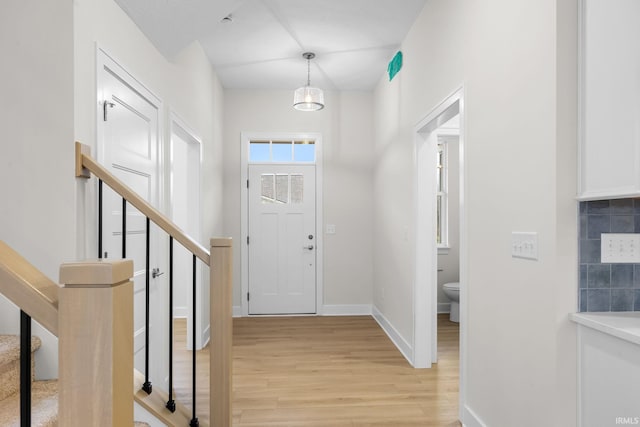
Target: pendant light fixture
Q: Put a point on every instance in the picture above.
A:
(308, 98)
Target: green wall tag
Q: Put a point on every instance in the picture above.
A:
(395, 65)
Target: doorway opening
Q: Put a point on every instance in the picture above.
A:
(448, 218)
(442, 120)
(185, 158)
(427, 225)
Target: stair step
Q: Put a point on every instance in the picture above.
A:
(10, 363)
(44, 406)
(44, 394)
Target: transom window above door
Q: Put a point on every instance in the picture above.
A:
(282, 151)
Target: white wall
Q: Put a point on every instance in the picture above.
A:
(346, 128)
(36, 150)
(517, 62)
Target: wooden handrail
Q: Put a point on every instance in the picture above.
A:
(84, 163)
(220, 283)
(28, 288)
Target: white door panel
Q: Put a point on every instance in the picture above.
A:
(128, 146)
(282, 239)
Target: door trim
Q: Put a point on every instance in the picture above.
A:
(245, 137)
(425, 276)
(178, 126)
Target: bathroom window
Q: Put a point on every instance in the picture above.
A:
(442, 234)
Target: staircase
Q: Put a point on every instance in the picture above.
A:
(44, 396)
(91, 313)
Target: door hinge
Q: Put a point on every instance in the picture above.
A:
(247, 183)
(247, 296)
(106, 104)
(247, 240)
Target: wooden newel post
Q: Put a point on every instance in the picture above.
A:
(96, 343)
(221, 285)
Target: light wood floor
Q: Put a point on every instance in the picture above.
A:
(327, 372)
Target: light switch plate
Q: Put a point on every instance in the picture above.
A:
(620, 247)
(524, 244)
(331, 229)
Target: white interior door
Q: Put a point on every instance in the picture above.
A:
(282, 239)
(128, 146)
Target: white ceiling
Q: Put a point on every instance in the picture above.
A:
(262, 47)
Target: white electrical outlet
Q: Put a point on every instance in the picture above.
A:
(331, 229)
(524, 245)
(620, 248)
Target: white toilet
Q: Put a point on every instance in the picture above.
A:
(452, 291)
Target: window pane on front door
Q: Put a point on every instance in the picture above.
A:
(282, 188)
(297, 188)
(268, 184)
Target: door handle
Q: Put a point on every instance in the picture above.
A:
(310, 247)
(156, 272)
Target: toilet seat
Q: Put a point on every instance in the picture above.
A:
(454, 286)
(452, 291)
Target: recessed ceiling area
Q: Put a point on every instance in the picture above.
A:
(260, 46)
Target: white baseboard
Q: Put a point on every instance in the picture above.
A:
(206, 336)
(180, 312)
(471, 419)
(405, 348)
(444, 307)
(330, 310)
(346, 310)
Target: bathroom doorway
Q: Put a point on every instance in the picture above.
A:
(448, 242)
(440, 129)
(448, 217)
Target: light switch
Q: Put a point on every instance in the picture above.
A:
(620, 247)
(524, 245)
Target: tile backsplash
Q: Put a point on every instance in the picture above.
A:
(607, 287)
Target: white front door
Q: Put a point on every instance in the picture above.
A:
(282, 239)
(128, 143)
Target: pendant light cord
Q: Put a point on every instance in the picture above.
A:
(308, 72)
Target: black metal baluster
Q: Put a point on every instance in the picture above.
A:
(194, 420)
(99, 218)
(147, 384)
(171, 404)
(25, 369)
(124, 228)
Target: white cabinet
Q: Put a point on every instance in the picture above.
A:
(609, 149)
(608, 368)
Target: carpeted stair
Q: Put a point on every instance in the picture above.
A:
(44, 394)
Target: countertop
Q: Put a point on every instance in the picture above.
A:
(624, 325)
